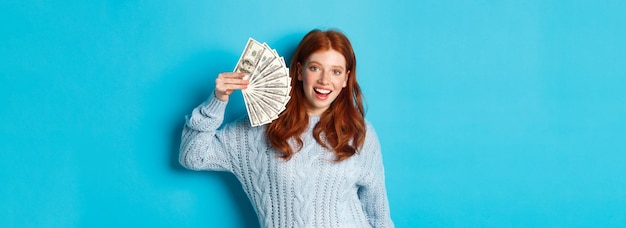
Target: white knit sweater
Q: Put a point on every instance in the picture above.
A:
(309, 190)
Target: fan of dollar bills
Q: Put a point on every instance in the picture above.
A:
(268, 91)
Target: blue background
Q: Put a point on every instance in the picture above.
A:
(490, 113)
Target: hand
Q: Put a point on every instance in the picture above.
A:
(226, 83)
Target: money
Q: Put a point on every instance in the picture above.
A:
(270, 84)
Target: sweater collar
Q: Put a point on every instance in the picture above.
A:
(313, 120)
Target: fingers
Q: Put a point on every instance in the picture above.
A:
(235, 75)
(230, 81)
(226, 83)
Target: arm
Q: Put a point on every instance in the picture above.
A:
(202, 146)
(372, 191)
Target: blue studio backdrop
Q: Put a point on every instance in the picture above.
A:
(490, 113)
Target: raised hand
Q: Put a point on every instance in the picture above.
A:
(226, 83)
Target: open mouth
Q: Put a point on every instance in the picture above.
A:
(322, 94)
(322, 91)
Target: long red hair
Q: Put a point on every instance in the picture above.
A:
(341, 128)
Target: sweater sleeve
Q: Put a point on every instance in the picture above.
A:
(202, 147)
(372, 191)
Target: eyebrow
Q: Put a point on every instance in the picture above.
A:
(316, 62)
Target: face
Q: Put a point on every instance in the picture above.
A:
(323, 76)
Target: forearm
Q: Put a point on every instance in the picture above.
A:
(376, 205)
(200, 147)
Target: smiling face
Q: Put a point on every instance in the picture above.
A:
(323, 76)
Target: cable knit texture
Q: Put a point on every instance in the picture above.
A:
(309, 190)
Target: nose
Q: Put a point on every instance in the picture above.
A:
(324, 78)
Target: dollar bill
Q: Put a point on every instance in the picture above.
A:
(252, 116)
(269, 85)
(269, 106)
(250, 57)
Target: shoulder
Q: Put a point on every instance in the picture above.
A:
(370, 133)
(371, 145)
(370, 154)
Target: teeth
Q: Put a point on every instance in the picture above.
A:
(322, 91)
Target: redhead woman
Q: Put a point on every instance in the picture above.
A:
(319, 164)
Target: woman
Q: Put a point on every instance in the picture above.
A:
(317, 165)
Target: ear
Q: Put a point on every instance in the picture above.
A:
(345, 82)
(299, 71)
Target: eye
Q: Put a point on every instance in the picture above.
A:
(337, 72)
(314, 68)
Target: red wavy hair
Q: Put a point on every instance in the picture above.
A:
(341, 128)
